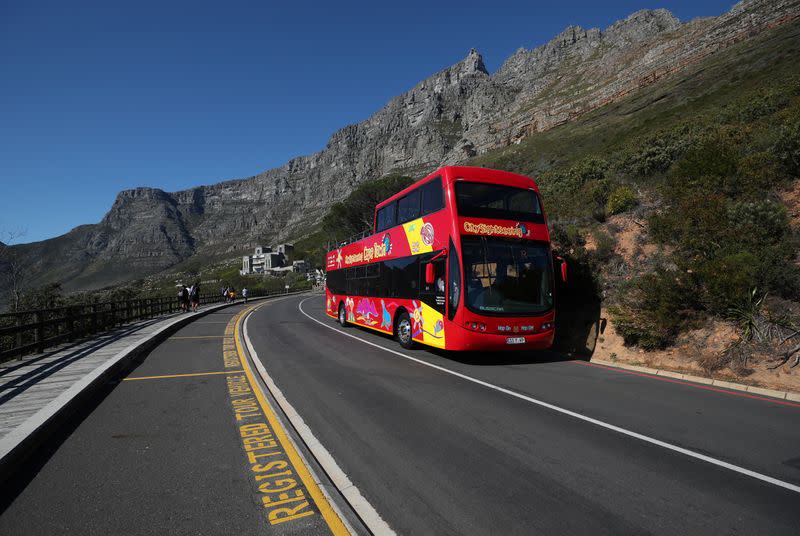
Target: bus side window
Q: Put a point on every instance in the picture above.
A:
(386, 217)
(408, 207)
(432, 196)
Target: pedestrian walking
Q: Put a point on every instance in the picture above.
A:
(231, 295)
(244, 294)
(185, 299)
(194, 296)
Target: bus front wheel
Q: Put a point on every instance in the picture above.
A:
(342, 316)
(404, 331)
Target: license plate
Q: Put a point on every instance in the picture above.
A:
(515, 340)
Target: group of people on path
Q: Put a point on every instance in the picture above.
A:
(189, 298)
(229, 293)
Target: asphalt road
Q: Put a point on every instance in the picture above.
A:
(434, 453)
(161, 453)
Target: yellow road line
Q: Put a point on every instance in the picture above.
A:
(203, 337)
(329, 515)
(181, 375)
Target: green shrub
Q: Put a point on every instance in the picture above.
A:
(708, 167)
(758, 222)
(621, 199)
(567, 238)
(787, 148)
(753, 107)
(727, 280)
(656, 153)
(654, 308)
(694, 223)
(604, 243)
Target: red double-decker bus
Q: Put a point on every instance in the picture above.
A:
(460, 260)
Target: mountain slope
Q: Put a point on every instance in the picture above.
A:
(459, 113)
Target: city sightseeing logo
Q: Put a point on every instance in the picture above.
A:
(427, 234)
(519, 230)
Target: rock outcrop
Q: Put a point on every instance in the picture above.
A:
(457, 113)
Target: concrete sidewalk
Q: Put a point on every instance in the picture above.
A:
(41, 392)
(28, 385)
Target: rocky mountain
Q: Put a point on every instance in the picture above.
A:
(457, 113)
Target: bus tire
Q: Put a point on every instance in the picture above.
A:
(342, 316)
(403, 331)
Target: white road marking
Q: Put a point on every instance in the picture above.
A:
(339, 478)
(603, 424)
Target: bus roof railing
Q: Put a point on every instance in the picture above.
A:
(336, 244)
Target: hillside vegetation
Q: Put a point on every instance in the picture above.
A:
(701, 165)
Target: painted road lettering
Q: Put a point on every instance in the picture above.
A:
(281, 490)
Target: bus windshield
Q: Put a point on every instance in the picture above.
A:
(507, 277)
(483, 200)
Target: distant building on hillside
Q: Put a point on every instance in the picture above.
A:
(268, 260)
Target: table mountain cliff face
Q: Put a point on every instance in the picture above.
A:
(455, 114)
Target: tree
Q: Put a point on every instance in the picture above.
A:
(12, 270)
(354, 214)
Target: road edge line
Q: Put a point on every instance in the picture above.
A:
(624, 431)
(334, 518)
(355, 499)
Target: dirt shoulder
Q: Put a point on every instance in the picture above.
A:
(692, 351)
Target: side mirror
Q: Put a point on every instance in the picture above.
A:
(563, 267)
(429, 274)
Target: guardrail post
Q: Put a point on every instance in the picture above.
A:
(18, 337)
(70, 323)
(38, 333)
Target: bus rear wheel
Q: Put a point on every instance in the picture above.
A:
(403, 331)
(342, 316)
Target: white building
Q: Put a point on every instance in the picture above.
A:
(266, 260)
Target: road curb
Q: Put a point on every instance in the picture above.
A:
(773, 393)
(24, 441)
(363, 512)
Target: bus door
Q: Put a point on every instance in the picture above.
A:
(434, 293)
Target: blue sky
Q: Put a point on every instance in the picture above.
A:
(96, 97)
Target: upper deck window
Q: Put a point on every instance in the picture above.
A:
(408, 207)
(432, 196)
(386, 217)
(483, 200)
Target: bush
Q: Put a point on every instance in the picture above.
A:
(654, 308)
(695, 224)
(655, 154)
(708, 167)
(621, 199)
(567, 238)
(604, 243)
(787, 148)
(727, 281)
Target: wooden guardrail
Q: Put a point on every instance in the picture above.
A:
(28, 332)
